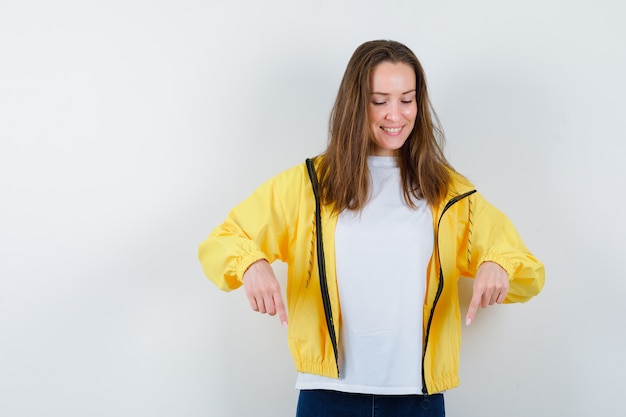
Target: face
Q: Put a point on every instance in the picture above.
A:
(392, 108)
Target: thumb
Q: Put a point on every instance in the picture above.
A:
(280, 309)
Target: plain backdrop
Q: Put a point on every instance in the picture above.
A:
(128, 129)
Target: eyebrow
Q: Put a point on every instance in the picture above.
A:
(388, 94)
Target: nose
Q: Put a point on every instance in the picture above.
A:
(393, 113)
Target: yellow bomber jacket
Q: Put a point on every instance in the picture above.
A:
(278, 222)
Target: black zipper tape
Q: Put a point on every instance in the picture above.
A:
(321, 262)
(450, 203)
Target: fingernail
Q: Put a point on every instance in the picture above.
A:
(285, 324)
(468, 321)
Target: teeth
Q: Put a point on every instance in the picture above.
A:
(392, 129)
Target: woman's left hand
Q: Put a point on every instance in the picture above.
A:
(490, 286)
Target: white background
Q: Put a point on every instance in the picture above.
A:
(128, 129)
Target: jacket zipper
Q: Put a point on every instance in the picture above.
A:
(449, 204)
(321, 263)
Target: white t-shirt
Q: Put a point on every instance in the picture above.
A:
(382, 254)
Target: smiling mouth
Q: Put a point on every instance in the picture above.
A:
(391, 129)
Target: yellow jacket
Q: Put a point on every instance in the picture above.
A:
(278, 222)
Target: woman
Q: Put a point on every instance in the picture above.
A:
(376, 232)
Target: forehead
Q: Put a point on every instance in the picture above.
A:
(388, 77)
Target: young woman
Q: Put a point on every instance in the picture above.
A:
(376, 232)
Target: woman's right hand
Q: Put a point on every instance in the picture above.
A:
(263, 290)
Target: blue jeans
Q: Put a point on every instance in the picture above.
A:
(318, 403)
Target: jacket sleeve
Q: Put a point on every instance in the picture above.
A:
(491, 237)
(255, 229)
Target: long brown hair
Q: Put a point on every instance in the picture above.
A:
(344, 175)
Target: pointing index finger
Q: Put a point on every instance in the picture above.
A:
(473, 307)
(280, 309)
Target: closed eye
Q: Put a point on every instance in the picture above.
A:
(380, 103)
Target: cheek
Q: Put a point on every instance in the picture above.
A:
(411, 116)
(410, 113)
(373, 115)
